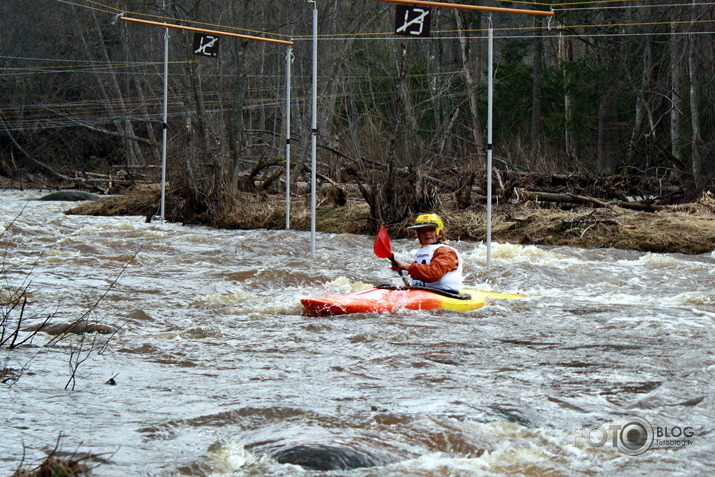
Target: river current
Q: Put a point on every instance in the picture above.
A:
(606, 367)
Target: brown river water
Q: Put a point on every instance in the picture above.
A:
(607, 367)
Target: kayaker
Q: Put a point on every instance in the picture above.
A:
(435, 265)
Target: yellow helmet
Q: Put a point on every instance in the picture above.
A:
(428, 220)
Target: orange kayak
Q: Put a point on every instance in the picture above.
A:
(391, 299)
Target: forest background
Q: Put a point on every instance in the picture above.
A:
(605, 101)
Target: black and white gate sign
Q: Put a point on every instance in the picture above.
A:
(412, 20)
(205, 45)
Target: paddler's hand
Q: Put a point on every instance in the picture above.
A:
(399, 265)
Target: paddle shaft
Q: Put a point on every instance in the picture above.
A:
(401, 273)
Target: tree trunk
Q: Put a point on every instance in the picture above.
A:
(537, 87)
(565, 54)
(125, 128)
(235, 123)
(607, 136)
(694, 53)
(156, 151)
(408, 109)
(134, 154)
(677, 62)
(641, 106)
(471, 80)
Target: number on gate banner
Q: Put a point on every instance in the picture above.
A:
(205, 45)
(412, 20)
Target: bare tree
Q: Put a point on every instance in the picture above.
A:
(696, 142)
(537, 88)
(677, 91)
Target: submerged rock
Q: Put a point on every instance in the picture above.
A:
(330, 457)
(77, 328)
(69, 196)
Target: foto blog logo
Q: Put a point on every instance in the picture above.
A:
(634, 435)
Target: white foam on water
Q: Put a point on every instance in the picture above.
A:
(227, 457)
(223, 299)
(703, 313)
(342, 285)
(661, 260)
(704, 298)
(509, 449)
(505, 253)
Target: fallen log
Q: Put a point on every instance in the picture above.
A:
(582, 199)
(642, 206)
(592, 221)
(561, 198)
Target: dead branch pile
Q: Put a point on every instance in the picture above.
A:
(118, 179)
(636, 192)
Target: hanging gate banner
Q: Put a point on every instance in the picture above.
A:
(205, 45)
(412, 20)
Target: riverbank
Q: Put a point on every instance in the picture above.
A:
(684, 228)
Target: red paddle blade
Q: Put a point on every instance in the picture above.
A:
(383, 248)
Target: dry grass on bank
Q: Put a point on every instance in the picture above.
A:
(269, 212)
(63, 464)
(143, 201)
(687, 228)
(56, 467)
(662, 231)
